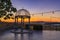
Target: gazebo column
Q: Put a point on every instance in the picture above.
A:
(29, 24)
(21, 24)
(17, 21)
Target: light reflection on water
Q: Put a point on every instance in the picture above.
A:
(37, 35)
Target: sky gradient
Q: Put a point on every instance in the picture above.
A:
(38, 6)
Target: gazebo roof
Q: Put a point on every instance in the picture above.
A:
(22, 12)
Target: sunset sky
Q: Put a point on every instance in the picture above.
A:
(38, 6)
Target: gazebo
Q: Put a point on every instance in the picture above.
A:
(22, 14)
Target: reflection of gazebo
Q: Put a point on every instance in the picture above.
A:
(22, 14)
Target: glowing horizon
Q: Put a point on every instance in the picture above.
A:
(35, 19)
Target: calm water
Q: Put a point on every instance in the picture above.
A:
(36, 35)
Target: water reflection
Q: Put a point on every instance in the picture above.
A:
(36, 35)
(30, 36)
(24, 36)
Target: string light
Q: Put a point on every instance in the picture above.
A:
(45, 12)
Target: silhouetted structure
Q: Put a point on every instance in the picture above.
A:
(22, 14)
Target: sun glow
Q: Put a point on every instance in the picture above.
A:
(46, 19)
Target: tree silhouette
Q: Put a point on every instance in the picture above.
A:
(8, 16)
(5, 7)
